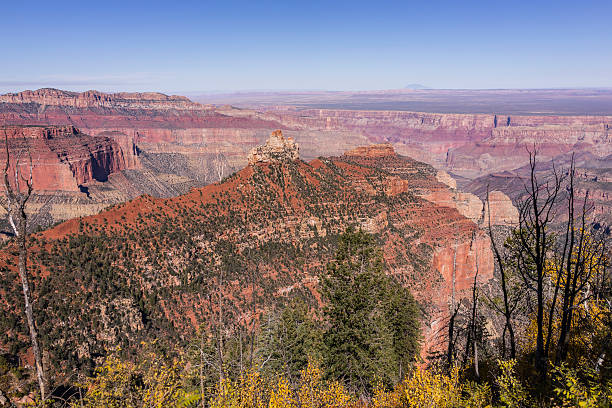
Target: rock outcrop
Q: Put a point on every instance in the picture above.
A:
(277, 149)
(373, 151)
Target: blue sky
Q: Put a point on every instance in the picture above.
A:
(184, 46)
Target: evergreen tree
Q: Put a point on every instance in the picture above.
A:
(367, 324)
(289, 340)
(401, 314)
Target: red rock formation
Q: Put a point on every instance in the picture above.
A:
(62, 157)
(292, 205)
(156, 121)
(465, 144)
(380, 150)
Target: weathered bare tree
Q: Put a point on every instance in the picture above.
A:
(557, 256)
(583, 255)
(220, 332)
(508, 303)
(535, 241)
(471, 343)
(18, 190)
(453, 311)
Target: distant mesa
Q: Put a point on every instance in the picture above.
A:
(96, 99)
(277, 149)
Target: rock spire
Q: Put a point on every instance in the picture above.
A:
(277, 149)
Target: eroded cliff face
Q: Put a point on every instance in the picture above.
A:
(469, 145)
(62, 157)
(139, 121)
(46, 97)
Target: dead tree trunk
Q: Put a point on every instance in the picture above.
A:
(474, 315)
(453, 314)
(220, 333)
(15, 205)
(535, 242)
(507, 310)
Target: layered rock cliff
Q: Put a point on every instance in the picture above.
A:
(175, 144)
(469, 145)
(93, 99)
(62, 157)
(466, 144)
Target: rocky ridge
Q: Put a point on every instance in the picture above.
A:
(211, 142)
(94, 99)
(150, 263)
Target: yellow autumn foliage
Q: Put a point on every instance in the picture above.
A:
(426, 389)
(313, 392)
(154, 383)
(250, 391)
(590, 314)
(148, 383)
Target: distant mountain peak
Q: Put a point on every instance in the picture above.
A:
(416, 86)
(277, 149)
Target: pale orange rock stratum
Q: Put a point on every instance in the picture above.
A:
(276, 149)
(377, 150)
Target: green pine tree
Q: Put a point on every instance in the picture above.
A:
(372, 324)
(289, 339)
(402, 315)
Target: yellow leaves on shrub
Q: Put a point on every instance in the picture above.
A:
(313, 392)
(511, 391)
(586, 393)
(280, 396)
(149, 383)
(248, 391)
(425, 389)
